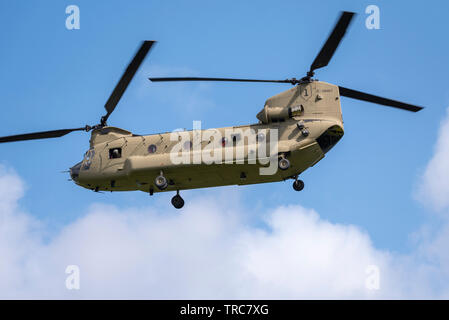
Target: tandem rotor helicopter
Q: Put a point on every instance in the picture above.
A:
(308, 118)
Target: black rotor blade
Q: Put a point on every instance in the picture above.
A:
(327, 51)
(217, 79)
(40, 135)
(376, 99)
(127, 77)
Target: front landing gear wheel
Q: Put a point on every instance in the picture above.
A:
(298, 185)
(177, 201)
(284, 164)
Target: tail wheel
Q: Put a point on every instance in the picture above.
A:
(177, 201)
(298, 185)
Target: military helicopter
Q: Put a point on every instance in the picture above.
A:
(307, 119)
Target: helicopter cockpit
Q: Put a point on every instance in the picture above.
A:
(82, 165)
(75, 171)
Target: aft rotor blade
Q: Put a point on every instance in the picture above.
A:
(41, 135)
(218, 79)
(376, 99)
(127, 77)
(328, 50)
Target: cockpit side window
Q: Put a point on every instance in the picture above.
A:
(88, 159)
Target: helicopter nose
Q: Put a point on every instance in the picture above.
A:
(75, 171)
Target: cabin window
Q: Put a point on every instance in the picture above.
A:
(224, 141)
(152, 148)
(115, 153)
(235, 137)
(187, 145)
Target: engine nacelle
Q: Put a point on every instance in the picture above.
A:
(274, 114)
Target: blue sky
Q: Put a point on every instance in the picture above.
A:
(55, 78)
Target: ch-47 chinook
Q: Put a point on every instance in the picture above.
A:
(307, 117)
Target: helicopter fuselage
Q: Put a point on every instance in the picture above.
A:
(304, 122)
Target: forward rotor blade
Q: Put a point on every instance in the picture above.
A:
(40, 135)
(217, 79)
(376, 99)
(127, 77)
(327, 51)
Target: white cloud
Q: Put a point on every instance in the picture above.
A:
(434, 188)
(207, 251)
(210, 250)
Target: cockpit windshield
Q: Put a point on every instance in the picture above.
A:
(88, 159)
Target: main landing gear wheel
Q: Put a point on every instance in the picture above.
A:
(284, 164)
(161, 182)
(298, 185)
(177, 201)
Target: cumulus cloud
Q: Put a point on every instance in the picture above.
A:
(207, 251)
(211, 250)
(434, 188)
